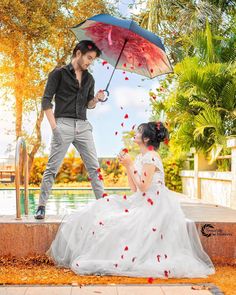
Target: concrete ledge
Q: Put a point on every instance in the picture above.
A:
(28, 237)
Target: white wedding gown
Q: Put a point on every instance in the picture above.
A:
(142, 235)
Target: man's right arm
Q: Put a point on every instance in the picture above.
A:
(49, 92)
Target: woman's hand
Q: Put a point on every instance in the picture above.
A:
(125, 159)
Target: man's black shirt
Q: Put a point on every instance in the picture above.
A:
(71, 99)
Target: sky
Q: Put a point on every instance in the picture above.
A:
(126, 97)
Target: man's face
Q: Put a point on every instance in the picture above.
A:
(85, 60)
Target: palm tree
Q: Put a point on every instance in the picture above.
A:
(202, 105)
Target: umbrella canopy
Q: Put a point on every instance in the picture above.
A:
(125, 45)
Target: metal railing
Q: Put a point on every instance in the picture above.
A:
(21, 149)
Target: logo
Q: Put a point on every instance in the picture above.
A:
(205, 230)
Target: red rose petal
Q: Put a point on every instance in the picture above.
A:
(101, 223)
(126, 78)
(100, 177)
(150, 201)
(126, 248)
(108, 163)
(150, 280)
(125, 150)
(104, 62)
(166, 274)
(157, 192)
(99, 170)
(122, 124)
(133, 127)
(126, 116)
(124, 73)
(150, 148)
(154, 229)
(158, 258)
(124, 65)
(104, 195)
(122, 257)
(126, 211)
(144, 194)
(124, 197)
(166, 141)
(116, 133)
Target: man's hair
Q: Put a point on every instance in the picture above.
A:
(85, 46)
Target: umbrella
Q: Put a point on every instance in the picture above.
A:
(125, 45)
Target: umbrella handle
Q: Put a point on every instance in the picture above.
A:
(106, 98)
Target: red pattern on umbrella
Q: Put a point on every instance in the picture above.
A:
(105, 35)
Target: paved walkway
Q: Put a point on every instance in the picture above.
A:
(109, 290)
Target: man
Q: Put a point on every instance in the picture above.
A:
(73, 88)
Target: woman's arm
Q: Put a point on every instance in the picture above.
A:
(131, 182)
(142, 183)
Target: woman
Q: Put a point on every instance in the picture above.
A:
(142, 235)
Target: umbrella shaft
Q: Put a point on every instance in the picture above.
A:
(108, 84)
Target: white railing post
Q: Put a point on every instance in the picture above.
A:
(231, 143)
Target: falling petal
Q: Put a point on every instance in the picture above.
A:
(104, 195)
(125, 150)
(166, 141)
(104, 62)
(133, 127)
(150, 201)
(124, 197)
(100, 177)
(126, 78)
(166, 274)
(133, 259)
(124, 73)
(116, 133)
(99, 170)
(101, 223)
(108, 200)
(108, 163)
(126, 116)
(126, 211)
(126, 248)
(150, 148)
(150, 280)
(122, 124)
(124, 65)
(158, 258)
(154, 229)
(122, 257)
(144, 194)
(116, 265)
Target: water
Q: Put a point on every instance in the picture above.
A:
(61, 201)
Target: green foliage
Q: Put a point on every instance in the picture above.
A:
(172, 169)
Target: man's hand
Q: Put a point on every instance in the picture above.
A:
(100, 95)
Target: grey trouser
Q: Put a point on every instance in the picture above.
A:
(79, 133)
